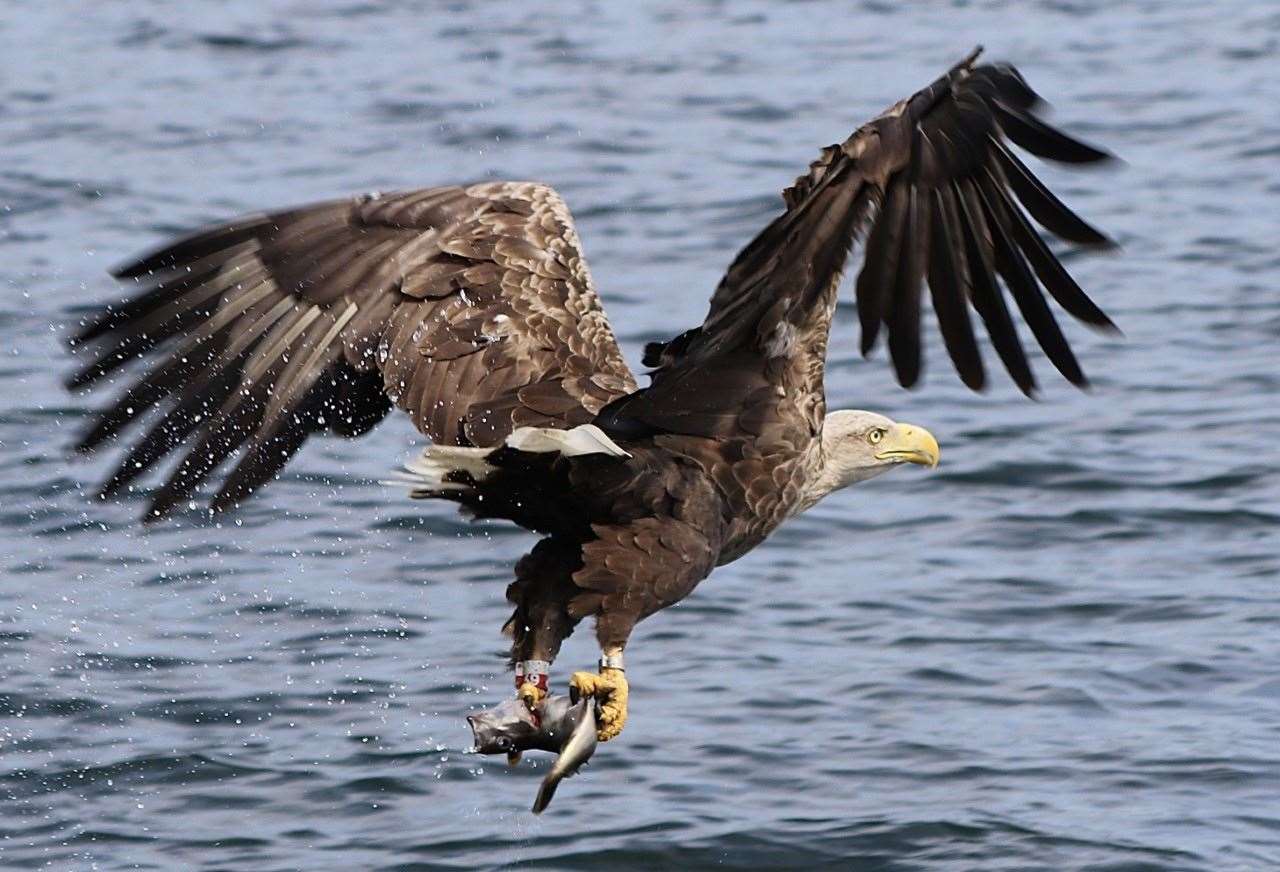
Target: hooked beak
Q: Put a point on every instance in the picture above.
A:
(910, 443)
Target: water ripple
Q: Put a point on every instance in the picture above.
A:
(1056, 652)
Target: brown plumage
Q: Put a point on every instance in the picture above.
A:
(471, 308)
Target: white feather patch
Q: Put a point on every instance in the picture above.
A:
(583, 439)
(425, 474)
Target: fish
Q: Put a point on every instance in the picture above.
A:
(557, 724)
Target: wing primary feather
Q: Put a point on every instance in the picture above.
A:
(948, 286)
(311, 363)
(262, 459)
(1022, 284)
(166, 289)
(1055, 278)
(1006, 82)
(200, 401)
(988, 299)
(173, 317)
(194, 247)
(1046, 208)
(904, 317)
(136, 344)
(228, 429)
(151, 389)
(875, 281)
(240, 413)
(200, 462)
(169, 432)
(1042, 140)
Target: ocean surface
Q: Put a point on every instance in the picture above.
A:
(1059, 651)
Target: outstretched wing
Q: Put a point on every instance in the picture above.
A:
(944, 196)
(471, 308)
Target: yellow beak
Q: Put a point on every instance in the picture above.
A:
(909, 443)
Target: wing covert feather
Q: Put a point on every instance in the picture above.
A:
(457, 304)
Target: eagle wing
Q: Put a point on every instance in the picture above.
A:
(471, 308)
(947, 201)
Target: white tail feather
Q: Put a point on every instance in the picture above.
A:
(425, 474)
(584, 439)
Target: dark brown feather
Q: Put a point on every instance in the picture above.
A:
(1042, 140)
(1050, 270)
(904, 318)
(949, 285)
(271, 314)
(212, 241)
(988, 299)
(875, 282)
(1022, 284)
(910, 160)
(1046, 208)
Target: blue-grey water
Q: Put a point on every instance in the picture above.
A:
(1059, 651)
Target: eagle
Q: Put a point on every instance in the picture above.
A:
(471, 308)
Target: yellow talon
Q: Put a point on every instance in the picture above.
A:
(530, 694)
(609, 687)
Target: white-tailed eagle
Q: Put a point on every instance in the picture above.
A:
(471, 308)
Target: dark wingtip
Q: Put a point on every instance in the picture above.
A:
(110, 487)
(970, 57)
(1011, 86)
(975, 381)
(127, 269)
(1044, 140)
(82, 378)
(147, 263)
(1105, 158)
(1108, 328)
(226, 502)
(153, 516)
(160, 507)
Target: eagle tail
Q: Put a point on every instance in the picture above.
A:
(454, 471)
(583, 439)
(443, 471)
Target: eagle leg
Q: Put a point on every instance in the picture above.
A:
(541, 620)
(531, 688)
(609, 688)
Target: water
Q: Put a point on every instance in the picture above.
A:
(1057, 652)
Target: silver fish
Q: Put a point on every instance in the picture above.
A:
(556, 724)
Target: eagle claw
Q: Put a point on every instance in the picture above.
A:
(609, 687)
(530, 694)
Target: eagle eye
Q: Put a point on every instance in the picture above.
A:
(875, 434)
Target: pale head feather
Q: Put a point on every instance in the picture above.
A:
(849, 450)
